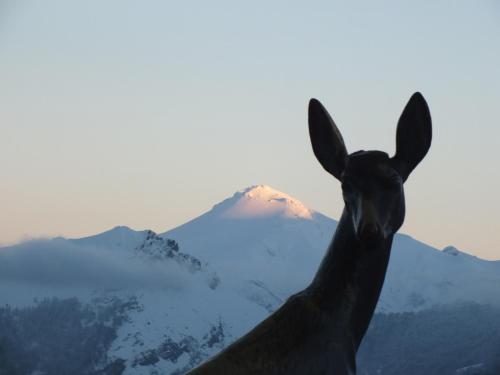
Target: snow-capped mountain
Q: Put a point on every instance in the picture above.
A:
(263, 236)
(194, 289)
(261, 240)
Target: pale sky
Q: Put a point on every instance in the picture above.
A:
(146, 113)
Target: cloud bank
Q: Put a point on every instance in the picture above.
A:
(62, 263)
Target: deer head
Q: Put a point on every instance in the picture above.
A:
(372, 182)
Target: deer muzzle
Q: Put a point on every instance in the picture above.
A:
(369, 228)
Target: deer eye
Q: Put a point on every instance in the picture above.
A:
(393, 182)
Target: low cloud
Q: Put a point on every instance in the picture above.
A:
(62, 263)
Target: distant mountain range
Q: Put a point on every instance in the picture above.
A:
(185, 294)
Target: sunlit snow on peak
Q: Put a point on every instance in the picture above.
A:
(264, 201)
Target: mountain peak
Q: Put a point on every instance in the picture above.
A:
(264, 201)
(120, 229)
(119, 237)
(451, 250)
(261, 191)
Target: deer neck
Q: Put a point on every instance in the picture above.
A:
(350, 278)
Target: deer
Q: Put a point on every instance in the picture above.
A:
(318, 330)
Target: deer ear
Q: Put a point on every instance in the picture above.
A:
(327, 142)
(413, 136)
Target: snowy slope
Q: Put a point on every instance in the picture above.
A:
(262, 236)
(120, 238)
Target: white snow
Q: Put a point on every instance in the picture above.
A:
(264, 201)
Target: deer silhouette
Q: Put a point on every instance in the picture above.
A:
(319, 330)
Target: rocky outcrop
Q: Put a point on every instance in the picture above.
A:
(156, 248)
